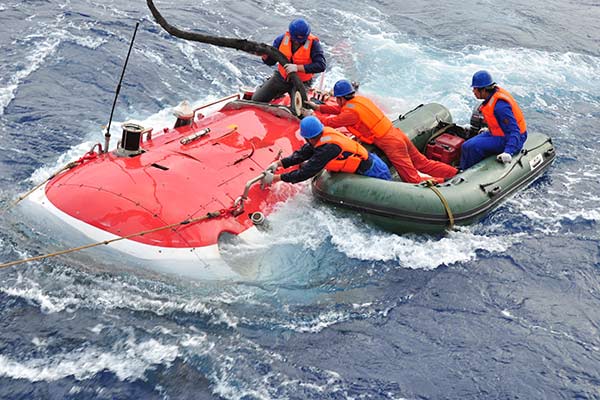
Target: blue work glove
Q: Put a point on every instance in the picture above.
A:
(504, 158)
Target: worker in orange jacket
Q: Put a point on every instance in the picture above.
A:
(507, 131)
(328, 149)
(305, 55)
(368, 123)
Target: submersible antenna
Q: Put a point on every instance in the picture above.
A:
(107, 133)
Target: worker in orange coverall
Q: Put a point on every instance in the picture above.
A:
(368, 123)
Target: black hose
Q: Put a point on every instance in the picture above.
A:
(247, 46)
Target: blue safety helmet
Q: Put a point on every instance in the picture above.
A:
(299, 30)
(482, 79)
(310, 127)
(342, 88)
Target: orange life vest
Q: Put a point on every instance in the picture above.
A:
(340, 163)
(487, 110)
(370, 116)
(300, 57)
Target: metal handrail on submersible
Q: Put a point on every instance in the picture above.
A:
(238, 204)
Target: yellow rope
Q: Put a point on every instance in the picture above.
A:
(431, 185)
(87, 246)
(213, 214)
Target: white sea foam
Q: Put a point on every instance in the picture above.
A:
(39, 342)
(97, 329)
(419, 73)
(46, 302)
(590, 215)
(198, 343)
(411, 252)
(129, 362)
(366, 22)
(318, 323)
(198, 56)
(36, 58)
(189, 50)
(302, 222)
(74, 153)
(321, 321)
(110, 295)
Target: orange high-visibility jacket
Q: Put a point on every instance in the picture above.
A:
(370, 116)
(301, 56)
(340, 163)
(487, 110)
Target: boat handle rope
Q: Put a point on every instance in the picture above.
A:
(208, 215)
(431, 184)
(90, 155)
(518, 161)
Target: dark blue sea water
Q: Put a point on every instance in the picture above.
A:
(508, 308)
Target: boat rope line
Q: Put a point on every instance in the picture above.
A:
(523, 152)
(431, 184)
(90, 155)
(209, 215)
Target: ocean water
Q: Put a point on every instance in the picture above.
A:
(508, 308)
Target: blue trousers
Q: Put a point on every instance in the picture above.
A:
(378, 169)
(479, 147)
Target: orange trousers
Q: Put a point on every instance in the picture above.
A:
(408, 160)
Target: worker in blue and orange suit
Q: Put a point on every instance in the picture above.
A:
(368, 123)
(507, 130)
(306, 57)
(327, 149)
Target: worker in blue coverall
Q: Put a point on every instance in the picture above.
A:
(327, 149)
(306, 57)
(507, 127)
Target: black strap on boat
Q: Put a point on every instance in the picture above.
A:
(431, 184)
(403, 116)
(514, 164)
(483, 186)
